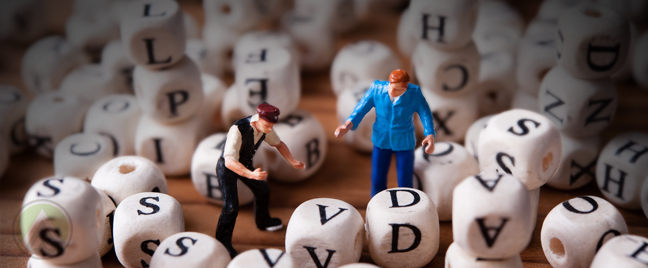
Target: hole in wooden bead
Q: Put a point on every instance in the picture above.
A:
(226, 9)
(556, 247)
(592, 13)
(546, 161)
(125, 169)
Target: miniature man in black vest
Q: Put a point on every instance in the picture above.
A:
(243, 140)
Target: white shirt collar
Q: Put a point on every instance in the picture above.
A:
(254, 118)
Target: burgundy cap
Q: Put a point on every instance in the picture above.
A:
(268, 112)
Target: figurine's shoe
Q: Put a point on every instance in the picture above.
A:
(274, 225)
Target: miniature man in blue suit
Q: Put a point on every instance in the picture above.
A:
(396, 102)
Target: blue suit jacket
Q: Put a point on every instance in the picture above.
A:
(394, 126)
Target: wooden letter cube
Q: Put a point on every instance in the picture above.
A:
(128, 175)
(445, 24)
(13, 107)
(267, 258)
(116, 117)
(80, 155)
(190, 249)
(578, 164)
(622, 251)
(446, 73)
(457, 257)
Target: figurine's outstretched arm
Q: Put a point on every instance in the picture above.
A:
(343, 129)
(285, 152)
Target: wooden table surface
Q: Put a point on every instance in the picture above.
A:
(345, 174)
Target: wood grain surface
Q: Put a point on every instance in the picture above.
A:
(345, 174)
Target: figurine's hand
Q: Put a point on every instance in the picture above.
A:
(259, 175)
(298, 164)
(343, 129)
(429, 140)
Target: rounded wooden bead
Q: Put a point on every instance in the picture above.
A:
(446, 73)
(340, 14)
(578, 162)
(446, 25)
(325, 232)
(191, 28)
(520, 143)
(622, 251)
(170, 147)
(171, 95)
(621, 169)
(196, 50)
(363, 60)
(270, 258)
(124, 176)
(304, 135)
(472, 135)
(574, 230)
(495, 87)
(219, 41)
(62, 220)
(592, 42)
(51, 117)
(116, 117)
(239, 15)
(523, 100)
(315, 38)
(640, 61)
(360, 138)
(441, 171)
(457, 257)
(230, 110)
(625, 72)
(402, 228)
(452, 115)
(405, 38)
(109, 207)
(91, 32)
(92, 82)
(487, 231)
(498, 28)
(253, 45)
(153, 33)
(203, 170)
(577, 107)
(536, 56)
(359, 265)
(142, 222)
(190, 249)
(92, 262)
(80, 155)
(47, 61)
(114, 59)
(13, 107)
(549, 11)
(210, 110)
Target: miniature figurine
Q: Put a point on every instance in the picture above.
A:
(395, 101)
(243, 140)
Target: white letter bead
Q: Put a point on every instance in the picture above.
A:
(496, 87)
(536, 56)
(128, 175)
(196, 50)
(363, 60)
(62, 220)
(115, 116)
(210, 110)
(51, 117)
(441, 171)
(114, 59)
(91, 32)
(402, 228)
(230, 110)
(621, 169)
(170, 147)
(446, 73)
(238, 15)
(575, 230)
(452, 115)
(406, 38)
(93, 262)
(109, 207)
(142, 222)
(457, 257)
(520, 143)
(170, 95)
(359, 265)
(153, 33)
(92, 82)
(577, 107)
(219, 41)
(340, 14)
(270, 258)
(488, 231)
(80, 155)
(315, 39)
(622, 251)
(445, 24)
(305, 136)
(472, 135)
(640, 61)
(190, 249)
(47, 61)
(578, 162)
(203, 170)
(359, 139)
(13, 107)
(522, 100)
(592, 41)
(250, 47)
(325, 232)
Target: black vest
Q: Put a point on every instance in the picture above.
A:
(248, 147)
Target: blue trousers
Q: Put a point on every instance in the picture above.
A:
(380, 161)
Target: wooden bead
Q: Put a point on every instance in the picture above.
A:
(525, 101)
(402, 228)
(190, 249)
(91, 32)
(51, 117)
(47, 61)
(315, 38)
(325, 232)
(124, 176)
(574, 230)
(405, 38)
(239, 15)
(120, 110)
(304, 135)
(457, 257)
(446, 25)
(93, 262)
(62, 220)
(446, 73)
(495, 87)
(625, 72)
(153, 33)
(230, 110)
(114, 59)
(536, 56)
(363, 60)
(250, 47)
(577, 107)
(520, 143)
(210, 110)
(452, 115)
(592, 41)
(270, 258)
(640, 61)
(359, 139)
(13, 107)
(170, 147)
(578, 162)
(171, 95)
(92, 82)
(487, 231)
(472, 135)
(340, 14)
(80, 155)
(498, 28)
(142, 222)
(441, 171)
(550, 10)
(219, 41)
(622, 167)
(109, 207)
(196, 50)
(191, 28)
(203, 170)
(622, 251)
(359, 265)
(32, 25)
